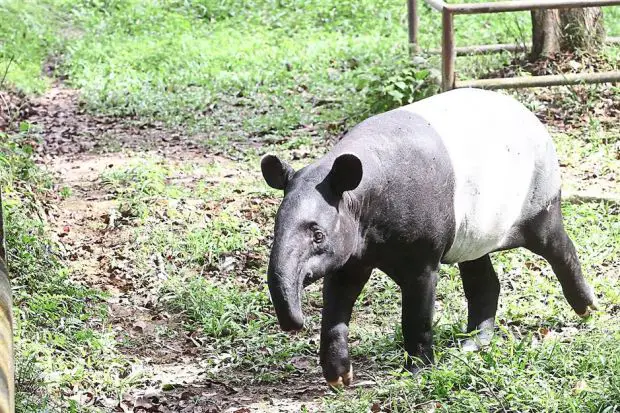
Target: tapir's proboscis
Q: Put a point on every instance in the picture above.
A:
(448, 179)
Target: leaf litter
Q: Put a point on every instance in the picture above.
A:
(98, 242)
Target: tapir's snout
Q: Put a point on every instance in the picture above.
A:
(286, 299)
(291, 321)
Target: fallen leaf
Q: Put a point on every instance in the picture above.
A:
(139, 325)
(300, 363)
(580, 386)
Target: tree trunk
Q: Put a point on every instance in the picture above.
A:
(7, 363)
(582, 29)
(546, 33)
(566, 30)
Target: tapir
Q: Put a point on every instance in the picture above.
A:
(448, 179)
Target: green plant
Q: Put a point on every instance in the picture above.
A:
(56, 318)
(405, 82)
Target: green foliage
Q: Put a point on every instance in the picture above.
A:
(234, 69)
(514, 374)
(228, 310)
(406, 83)
(138, 185)
(19, 173)
(223, 235)
(61, 337)
(289, 73)
(299, 16)
(240, 326)
(222, 311)
(142, 179)
(28, 35)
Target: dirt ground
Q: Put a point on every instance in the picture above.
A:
(78, 147)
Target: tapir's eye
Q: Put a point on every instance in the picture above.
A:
(318, 236)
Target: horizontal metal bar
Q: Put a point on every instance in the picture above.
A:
(589, 196)
(496, 48)
(506, 6)
(485, 49)
(436, 4)
(537, 81)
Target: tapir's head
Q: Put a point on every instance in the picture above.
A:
(315, 231)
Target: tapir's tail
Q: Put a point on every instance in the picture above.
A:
(7, 364)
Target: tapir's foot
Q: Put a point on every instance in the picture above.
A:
(415, 365)
(589, 309)
(585, 303)
(478, 341)
(413, 369)
(344, 380)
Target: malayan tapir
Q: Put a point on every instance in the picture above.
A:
(448, 179)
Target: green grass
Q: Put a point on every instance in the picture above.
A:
(63, 341)
(29, 35)
(544, 357)
(239, 69)
(212, 228)
(287, 76)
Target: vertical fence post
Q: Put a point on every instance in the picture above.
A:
(413, 19)
(7, 363)
(2, 237)
(448, 51)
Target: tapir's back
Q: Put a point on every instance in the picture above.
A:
(504, 163)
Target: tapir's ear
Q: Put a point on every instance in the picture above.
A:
(346, 173)
(276, 173)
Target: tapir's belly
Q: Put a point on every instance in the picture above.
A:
(502, 158)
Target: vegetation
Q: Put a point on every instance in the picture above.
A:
(63, 340)
(242, 78)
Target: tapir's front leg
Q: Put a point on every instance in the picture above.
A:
(340, 290)
(418, 290)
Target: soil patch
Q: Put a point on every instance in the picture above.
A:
(79, 147)
(67, 129)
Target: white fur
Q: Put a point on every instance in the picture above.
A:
(494, 144)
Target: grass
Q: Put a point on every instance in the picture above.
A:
(28, 36)
(288, 77)
(286, 64)
(213, 254)
(543, 358)
(64, 343)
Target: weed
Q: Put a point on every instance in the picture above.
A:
(287, 76)
(406, 84)
(61, 328)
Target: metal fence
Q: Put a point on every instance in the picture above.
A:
(449, 51)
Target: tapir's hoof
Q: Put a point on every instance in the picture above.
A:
(344, 380)
(470, 346)
(413, 369)
(589, 309)
(477, 342)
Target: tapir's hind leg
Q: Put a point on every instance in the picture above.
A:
(482, 292)
(548, 238)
